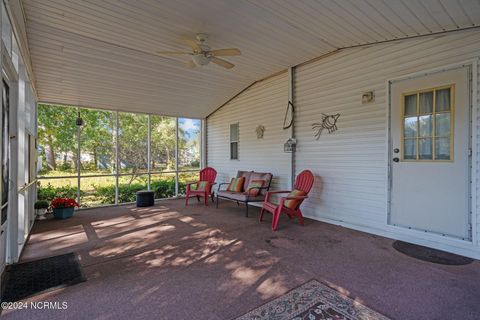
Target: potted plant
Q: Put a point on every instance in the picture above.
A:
(41, 207)
(63, 207)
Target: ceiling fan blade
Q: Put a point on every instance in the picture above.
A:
(190, 65)
(173, 52)
(192, 44)
(225, 52)
(222, 63)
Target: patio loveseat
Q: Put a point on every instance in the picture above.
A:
(249, 192)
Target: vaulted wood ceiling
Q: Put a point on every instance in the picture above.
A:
(102, 53)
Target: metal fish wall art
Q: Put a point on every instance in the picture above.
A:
(329, 122)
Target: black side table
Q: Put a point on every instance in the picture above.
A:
(145, 198)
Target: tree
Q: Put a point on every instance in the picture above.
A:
(56, 133)
(162, 145)
(97, 138)
(133, 143)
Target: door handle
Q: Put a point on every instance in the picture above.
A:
(396, 159)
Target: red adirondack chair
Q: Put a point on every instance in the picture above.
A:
(303, 182)
(207, 174)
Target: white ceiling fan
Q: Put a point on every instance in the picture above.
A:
(202, 53)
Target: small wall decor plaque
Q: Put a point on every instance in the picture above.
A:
(329, 122)
(260, 130)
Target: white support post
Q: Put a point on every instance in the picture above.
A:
(117, 163)
(149, 138)
(78, 159)
(291, 97)
(176, 157)
(203, 143)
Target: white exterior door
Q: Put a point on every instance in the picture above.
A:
(430, 168)
(5, 170)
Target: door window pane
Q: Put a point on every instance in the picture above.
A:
(410, 105)
(162, 145)
(442, 148)
(426, 102)
(442, 125)
(442, 100)
(431, 122)
(410, 127)
(189, 145)
(97, 142)
(426, 126)
(425, 149)
(132, 142)
(410, 147)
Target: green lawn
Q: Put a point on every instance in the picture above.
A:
(96, 191)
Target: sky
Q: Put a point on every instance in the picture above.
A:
(189, 125)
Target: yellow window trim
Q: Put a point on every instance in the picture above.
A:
(433, 113)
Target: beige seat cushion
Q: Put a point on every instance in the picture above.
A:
(239, 196)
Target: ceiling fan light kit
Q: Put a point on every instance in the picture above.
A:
(200, 59)
(202, 53)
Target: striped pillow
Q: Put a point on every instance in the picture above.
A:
(292, 204)
(199, 186)
(254, 183)
(236, 184)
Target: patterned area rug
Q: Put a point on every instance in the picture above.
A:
(312, 301)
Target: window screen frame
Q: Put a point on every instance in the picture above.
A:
(433, 114)
(234, 141)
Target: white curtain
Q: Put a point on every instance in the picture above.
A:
(442, 100)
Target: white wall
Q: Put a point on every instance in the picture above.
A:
(353, 161)
(14, 63)
(262, 104)
(351, 164)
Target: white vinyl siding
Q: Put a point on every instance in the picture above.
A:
(350, 164)
(262, 104)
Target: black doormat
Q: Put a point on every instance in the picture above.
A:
(34, 277)
(430, 255)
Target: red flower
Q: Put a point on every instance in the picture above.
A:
(63, 203)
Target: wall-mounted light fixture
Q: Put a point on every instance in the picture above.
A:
(290, 145)
(368, 97)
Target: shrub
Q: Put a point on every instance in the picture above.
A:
(41, 204)
(163, 188)
(105, 194)
(49, 192)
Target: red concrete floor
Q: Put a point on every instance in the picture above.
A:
(172, 262)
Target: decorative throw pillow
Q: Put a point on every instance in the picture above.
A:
(199, 186)
(292, 204)
(257, 184)
(236, 184)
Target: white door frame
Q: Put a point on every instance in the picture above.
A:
(473, 83)
(11, 77)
